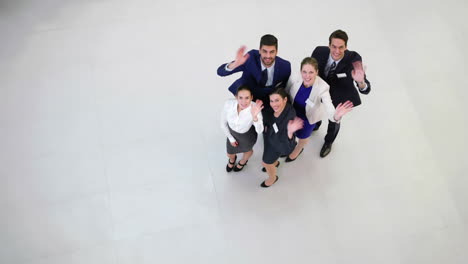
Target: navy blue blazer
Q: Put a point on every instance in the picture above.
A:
(341, 89)
(252, 74)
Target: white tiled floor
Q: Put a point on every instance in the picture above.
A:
(111, 151)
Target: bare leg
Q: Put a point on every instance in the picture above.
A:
(232, 158)
(300, 145)
(271, 170)
(245, 158)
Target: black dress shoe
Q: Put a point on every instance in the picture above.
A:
(325, 150)
(288, 159)
(277, 165)
(241, 166)
(266, 186)
(229, 169)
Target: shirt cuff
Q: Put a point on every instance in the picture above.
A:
(232, 139)
(226, 67)
(357, 86)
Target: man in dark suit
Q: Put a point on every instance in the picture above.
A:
(342, 69)
(261, 69)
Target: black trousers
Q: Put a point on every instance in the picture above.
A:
(332, 131)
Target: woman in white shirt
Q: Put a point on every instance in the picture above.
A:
(311, 100)
(241, 121)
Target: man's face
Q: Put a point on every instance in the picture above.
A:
(267, 55)
(337, 48)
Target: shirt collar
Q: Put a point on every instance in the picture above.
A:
(331, 60)
(263, 67)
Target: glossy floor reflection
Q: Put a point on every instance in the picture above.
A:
(111, 150)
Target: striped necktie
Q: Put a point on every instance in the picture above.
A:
(331, 71)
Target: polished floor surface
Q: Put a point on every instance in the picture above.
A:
(111, 150)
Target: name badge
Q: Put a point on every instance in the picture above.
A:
(309, 102)
(275, 127)
(341, 75)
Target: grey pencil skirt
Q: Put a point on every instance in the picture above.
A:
(245, 141)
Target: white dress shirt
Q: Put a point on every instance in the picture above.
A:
(240, 122)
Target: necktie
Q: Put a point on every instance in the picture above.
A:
(264, 79)
(331, 72)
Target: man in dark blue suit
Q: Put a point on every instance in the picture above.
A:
(342, 70)
(261, 69)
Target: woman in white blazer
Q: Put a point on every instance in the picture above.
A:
(311, 99)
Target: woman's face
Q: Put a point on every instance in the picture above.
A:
(277, 102)
(308, 73)
(243, 99)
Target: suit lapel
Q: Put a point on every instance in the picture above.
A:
(323, 61)
(295, 88)
(315, 89)
(258, 66)
(276, 73)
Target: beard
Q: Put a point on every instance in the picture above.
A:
(267, 61)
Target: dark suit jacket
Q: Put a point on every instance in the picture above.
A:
(341, 89)
(252, 74)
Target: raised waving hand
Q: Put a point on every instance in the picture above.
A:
(256, 108)
(294, 125)
(358, 72)
(241, 58)
(342, 109)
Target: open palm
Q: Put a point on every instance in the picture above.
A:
(358, 72)
(241, 58)
(294, 125)
(256, 108)
(342, 109)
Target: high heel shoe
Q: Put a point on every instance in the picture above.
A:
(236, 169)
(288, 159)
(266, 186)
(277, 165)
(229, 169)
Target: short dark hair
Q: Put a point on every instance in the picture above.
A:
(269, 40)
(311, 61)
(339, 34)
(244, 88)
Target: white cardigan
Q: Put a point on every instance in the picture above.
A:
(319, 100)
